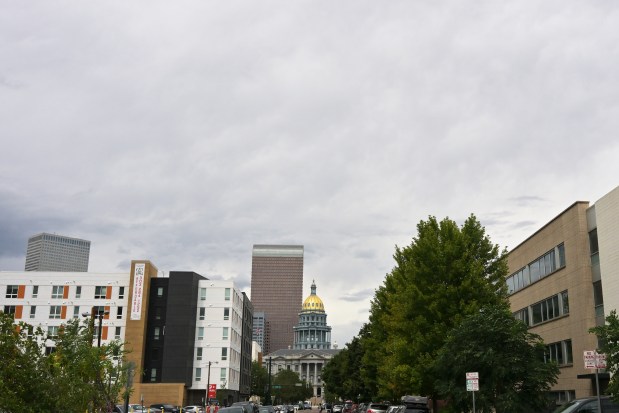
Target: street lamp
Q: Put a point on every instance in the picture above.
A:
(208, 382)
(99, 315)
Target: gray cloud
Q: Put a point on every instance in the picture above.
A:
(185, 135)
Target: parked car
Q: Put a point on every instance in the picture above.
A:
(337, 408)
(266, 409)
(415, 404)
(232, 409)
(307, 405)
(327, 408)
(165, 408)
(193, 409)
(589, 405)
(398, 408)
(248, 407)
(376, 408)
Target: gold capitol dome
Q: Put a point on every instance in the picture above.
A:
(313, 302)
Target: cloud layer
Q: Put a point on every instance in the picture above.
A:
(186, 132)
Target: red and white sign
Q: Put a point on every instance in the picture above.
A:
(472, 375)
(138, 284)
(594, 360)
(212, 391)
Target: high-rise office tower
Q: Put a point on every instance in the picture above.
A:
(277, 290)
(51, 252)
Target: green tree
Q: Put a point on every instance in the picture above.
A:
(447, 273)
(74, 377)
(345, 374)
(289, 388)
(513, 376)
(259, 379)
(608, 335)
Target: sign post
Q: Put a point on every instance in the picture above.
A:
(472, 384)
(595, 360)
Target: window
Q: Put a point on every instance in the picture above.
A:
(100, 291)
(156, 333)
(33, 311)
(159, 291)
(226, 313)
(52, 332)
(561, 352)
(119, 313)
(9, 309)
(55, 311)
(117, 333)
(158, 313)
(200, 333)
(11, 291)
(78, 291)
(224, 353)
(550, 308)
(35, 291)
(99, 311)
(199, 353)
(202, 313)
(198, 374)
(561, 254)
(202, 294)
(121, 293)
(57, 291)
(153, 375)
(224, 335)
(227, 294)
(76, 312)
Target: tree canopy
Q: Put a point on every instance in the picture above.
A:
(609, 345)
(447, 273)
(75, 376)
(513, 375)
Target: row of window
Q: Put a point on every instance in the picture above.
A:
(222, 373)
(55, 311)
(52, 332)
(224, 334)
(12, 291)
(538, 269)
(202, 313)
(227, 293)
(224, 353)
(548, 309)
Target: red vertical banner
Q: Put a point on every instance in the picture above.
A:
(212, 391)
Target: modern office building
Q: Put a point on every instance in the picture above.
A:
(277, 290)
(178, 329)
(312, 332)
(51, 252)
(563, 280)
(312, 348)
(260, 329)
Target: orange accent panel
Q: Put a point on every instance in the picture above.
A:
(21, 291)
(107, 309)
(63, 312)
(18, 310)
(65, 292)
(104, 333)
(108, 292)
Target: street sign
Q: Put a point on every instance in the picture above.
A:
(472, 385)
(594, 360)
(472, 375)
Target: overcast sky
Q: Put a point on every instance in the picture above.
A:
(185, 132)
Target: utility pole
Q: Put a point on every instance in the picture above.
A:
(267, 399)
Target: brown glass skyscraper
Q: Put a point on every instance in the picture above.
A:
(277, 290)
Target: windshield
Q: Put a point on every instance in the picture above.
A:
(569, 407)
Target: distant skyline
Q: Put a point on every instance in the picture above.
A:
(186, 132)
